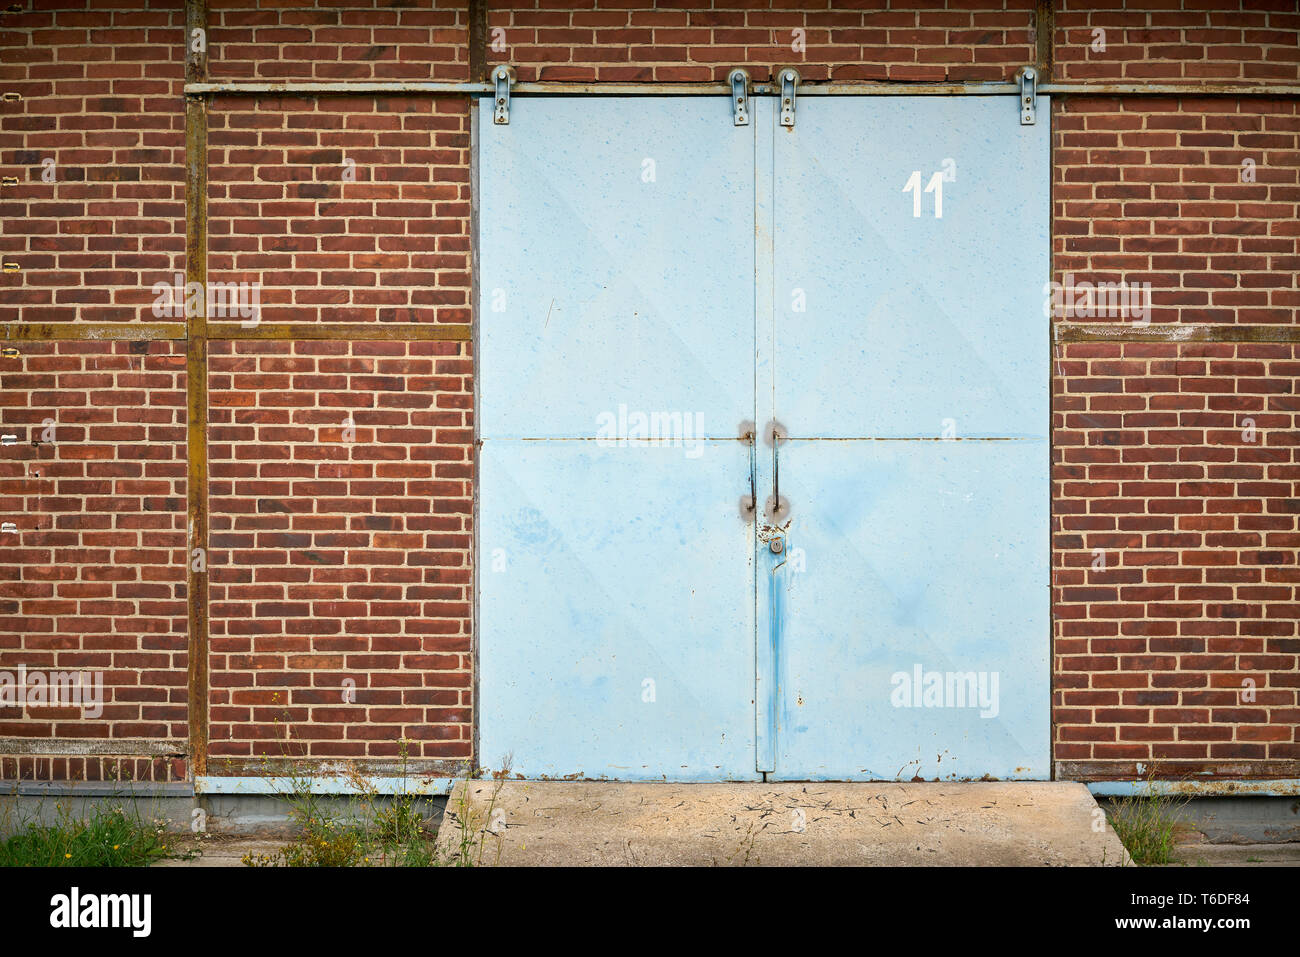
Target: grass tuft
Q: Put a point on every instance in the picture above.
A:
(1147, 824)
(106, 837)
(371, 830)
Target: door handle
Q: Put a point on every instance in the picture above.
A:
(776, 468)
(778, 508)
(749, 503)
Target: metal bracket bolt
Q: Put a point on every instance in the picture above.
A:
(502, 77)
(789, 83)
(1028, 78)
(739, 81)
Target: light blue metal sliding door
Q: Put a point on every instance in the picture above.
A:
(862, 293)
(616, 329)
(906, 367)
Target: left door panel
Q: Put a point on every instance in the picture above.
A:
(616, 583)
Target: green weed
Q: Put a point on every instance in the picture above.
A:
(105, 837)
(1147, 824)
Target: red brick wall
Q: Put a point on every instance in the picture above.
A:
(1210, 40)
(644, 41)
(1156, 191)
(1176, 541)
(335, 560)
(100, 81)
(94, 578)
(341, 504)
(338, 40)
(382, 238)
(1197, 527)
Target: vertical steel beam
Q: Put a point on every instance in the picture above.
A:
(196, 370)
(478, 68)
(1045, 34)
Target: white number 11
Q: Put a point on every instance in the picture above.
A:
(934, 186)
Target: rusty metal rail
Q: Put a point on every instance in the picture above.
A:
(863, 88)
(459, 332)
(1171, 332)
(91, 331)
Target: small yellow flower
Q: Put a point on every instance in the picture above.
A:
(67, 856)
(116, 846)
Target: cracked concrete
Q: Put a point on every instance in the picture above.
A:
(545, 823)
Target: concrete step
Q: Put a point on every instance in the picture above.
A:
(550, 823)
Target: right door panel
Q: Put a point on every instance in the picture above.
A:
(909, 368)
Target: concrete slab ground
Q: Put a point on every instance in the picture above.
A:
(219, 850)
(550, 823)
(1237, 855)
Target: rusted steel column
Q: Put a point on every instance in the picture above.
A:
(1045, 33)
(196, 370)
(478, 68)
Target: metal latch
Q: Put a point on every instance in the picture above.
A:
(1028, 78)
(739, 81)
(789, 80)
(502, 76)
